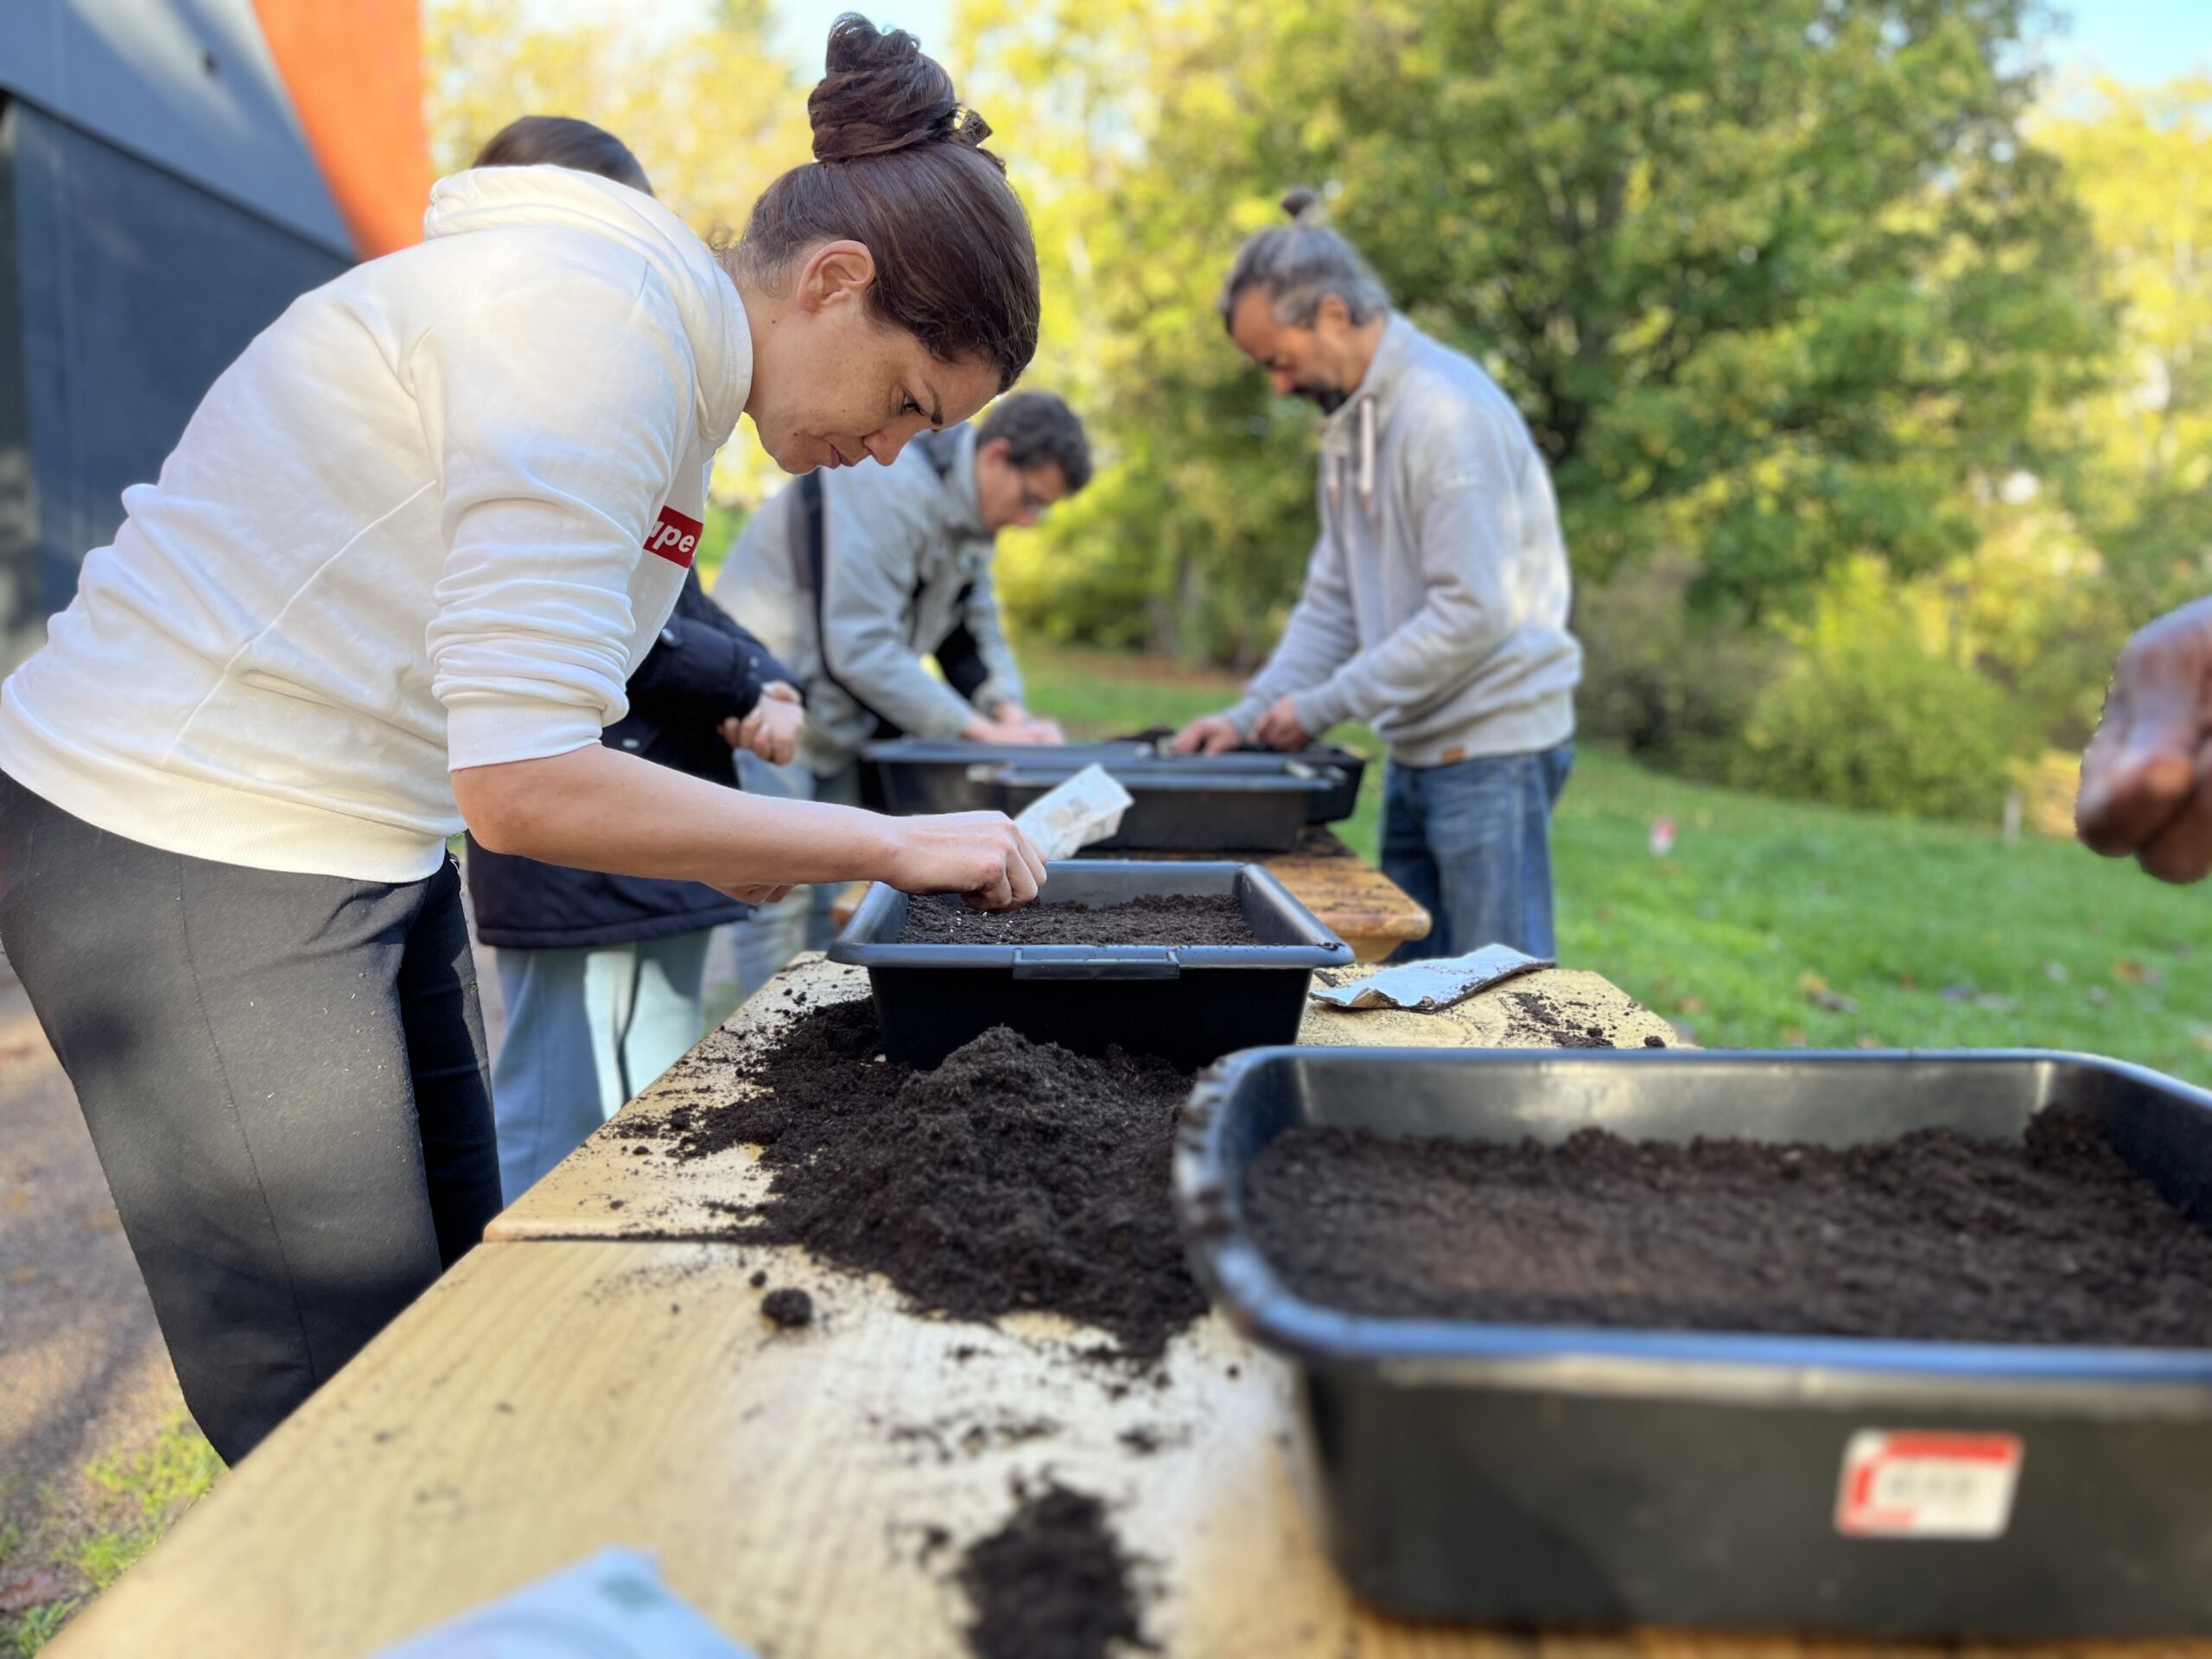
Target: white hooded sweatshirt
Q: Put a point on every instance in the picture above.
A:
(432, 518)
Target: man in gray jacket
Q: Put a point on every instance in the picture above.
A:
(854, 578)
(1436, 597)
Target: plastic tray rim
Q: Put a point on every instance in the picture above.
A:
(1637, 1360)
(1323, 948)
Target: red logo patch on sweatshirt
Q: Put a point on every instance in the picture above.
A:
(676, 537)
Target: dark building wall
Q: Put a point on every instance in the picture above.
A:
(130, 289)
(189, 85)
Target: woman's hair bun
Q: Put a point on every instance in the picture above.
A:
(1301, 204)
(880, 92)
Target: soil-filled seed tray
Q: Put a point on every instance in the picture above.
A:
(1187, 1003)
(1886, 1344)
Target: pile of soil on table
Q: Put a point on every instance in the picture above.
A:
(1015, 1175)
(1050, 1584)
(1933, 1235)
(1156, 918)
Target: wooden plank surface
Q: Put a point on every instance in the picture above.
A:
(607, 1190)
(1363, 906)
(545, 1400)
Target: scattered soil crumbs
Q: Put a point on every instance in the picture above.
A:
(1156, 918)
(950, 1439)
(1050, 1584)
(1935, 1236)
(1539, 1015)
(788, 1307)
(1016, 1175)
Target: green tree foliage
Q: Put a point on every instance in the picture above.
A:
(1774, 281)
(1870, 712)
(712, 113)
(2141, 162)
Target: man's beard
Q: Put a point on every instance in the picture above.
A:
(1327, 399)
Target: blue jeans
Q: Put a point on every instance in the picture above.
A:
(801, 920)
(586, 1030)
(1472, 843)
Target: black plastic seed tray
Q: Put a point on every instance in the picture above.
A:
(1182, 808)
(1342, 768)
(915, 774)
(919, 775)
(1529, 1475)
(1190, 1003)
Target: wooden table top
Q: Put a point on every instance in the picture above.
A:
(547, 1400)
(808, 1491)
(605, 1190)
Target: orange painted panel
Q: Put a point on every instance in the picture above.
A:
(354, 70)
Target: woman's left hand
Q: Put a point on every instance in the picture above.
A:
(771, 731)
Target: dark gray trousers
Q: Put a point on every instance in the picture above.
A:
(285, 1078)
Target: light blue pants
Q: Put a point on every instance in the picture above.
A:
(586, 1030)
(801, 919)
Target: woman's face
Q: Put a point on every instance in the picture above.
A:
(832, 387)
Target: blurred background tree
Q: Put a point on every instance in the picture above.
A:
(1875, 372)
(1774, 284)
(709, 109)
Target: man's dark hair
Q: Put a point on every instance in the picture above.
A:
(1039, 428)
(563, 141)
(1300, 264)
(899, 167)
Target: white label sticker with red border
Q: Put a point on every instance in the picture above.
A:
(674, 538)
(1927, 1484)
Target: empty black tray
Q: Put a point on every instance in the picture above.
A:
(931, 775)
(1189, 1003)
(915, 774)
(1532, 1475)
(1187, 808)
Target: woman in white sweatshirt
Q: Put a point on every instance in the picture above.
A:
(392, 580)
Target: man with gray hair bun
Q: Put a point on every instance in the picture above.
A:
(1436, 597)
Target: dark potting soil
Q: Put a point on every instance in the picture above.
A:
(1050, 1584)
(1155, 918)
(1539, 1015)
(1015, 1175)
(788, 1307)
(1934, 1236)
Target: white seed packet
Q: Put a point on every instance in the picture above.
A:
(1425, 987)
(610, 1605)
(1071, 816)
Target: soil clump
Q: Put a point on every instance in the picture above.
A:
(1050, 1584)
(788, 1308)
(1934, 1236)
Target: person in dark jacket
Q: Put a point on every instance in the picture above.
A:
(602, 974)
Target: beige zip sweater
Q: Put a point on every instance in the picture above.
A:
(1436, 598)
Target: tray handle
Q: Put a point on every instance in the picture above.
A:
(1151, 964)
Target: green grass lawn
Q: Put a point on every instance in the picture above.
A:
(139, 1495)
(1776, 923)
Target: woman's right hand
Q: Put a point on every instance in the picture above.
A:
(983, 856)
